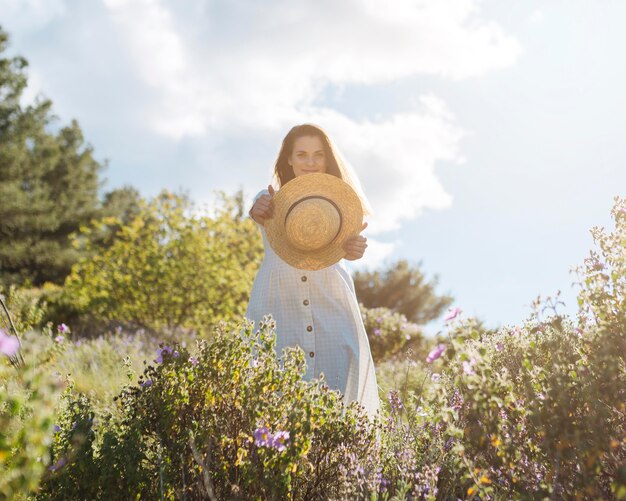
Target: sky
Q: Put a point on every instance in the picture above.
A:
(488, 135)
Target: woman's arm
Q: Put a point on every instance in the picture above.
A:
(355, 246)
(263, 207)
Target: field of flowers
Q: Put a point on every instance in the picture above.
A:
(532, 411)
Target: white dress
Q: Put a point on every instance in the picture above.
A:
(318, 311)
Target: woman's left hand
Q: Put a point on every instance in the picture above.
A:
(355, 246)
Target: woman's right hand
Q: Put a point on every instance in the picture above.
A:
(263, 208)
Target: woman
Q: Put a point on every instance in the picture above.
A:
(316, 310)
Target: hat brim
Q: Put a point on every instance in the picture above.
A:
(307, 185)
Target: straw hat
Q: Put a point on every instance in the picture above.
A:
(314, 214)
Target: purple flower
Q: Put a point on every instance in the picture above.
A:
(193, 361)
(63, 328)
(163, 351)
(436, 377)
(453, 313)
(59, 339)
(146, 384)
(379, 320)
(499, 346)
(262, 437)
(377, 332)
(57, 428)
(280, 440)
(394, 400)
(58, 465)
(468, 367)
(436, 353)
(8, 344)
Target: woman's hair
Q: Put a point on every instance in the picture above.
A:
(284, 172)
(335, 163)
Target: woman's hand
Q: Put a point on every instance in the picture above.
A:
(263, 208)
(355, 246)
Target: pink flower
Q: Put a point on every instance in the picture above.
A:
(262, 437)
(436, 377)
(59, 339)
(8, 344)
(436, 353)
(166, 350)
(193, 361)
(499, 346)
(280, 440)
(468, 367)
(453, 313)
(63, 328)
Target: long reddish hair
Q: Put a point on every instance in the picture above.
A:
(284, 172)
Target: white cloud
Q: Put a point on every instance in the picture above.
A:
(198, 73)
(32, 14)
(536, 16)
(254, 63)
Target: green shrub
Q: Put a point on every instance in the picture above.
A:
(390, 334)
(27, 402)
(192, 427)
(168, 268)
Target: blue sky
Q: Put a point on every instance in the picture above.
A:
(487, 135)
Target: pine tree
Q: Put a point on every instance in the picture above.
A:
(48, 183)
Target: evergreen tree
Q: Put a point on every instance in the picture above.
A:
(48, 183)
(403, 289)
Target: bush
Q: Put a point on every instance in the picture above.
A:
(390, 334)
(201, 426)
(168, 268)
(27, 402)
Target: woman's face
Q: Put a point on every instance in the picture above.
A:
(308, 156)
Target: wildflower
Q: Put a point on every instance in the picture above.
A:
(163, 351)
(454, 312)
(436, 377)
(436, 353)
(499, 346)
(193, 361)
(394, 400)
(468, 367)
(63, 328)
(377, 332)
(59, 339)
(280, 440)
(146, 384)
(262, 437)
(57, 428)
(58, 465)
(8, 344)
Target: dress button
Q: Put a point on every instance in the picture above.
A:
(309, 328)
(311, 354)
(304, 278)
(305, 302)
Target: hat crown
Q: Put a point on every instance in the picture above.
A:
(312, 223)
